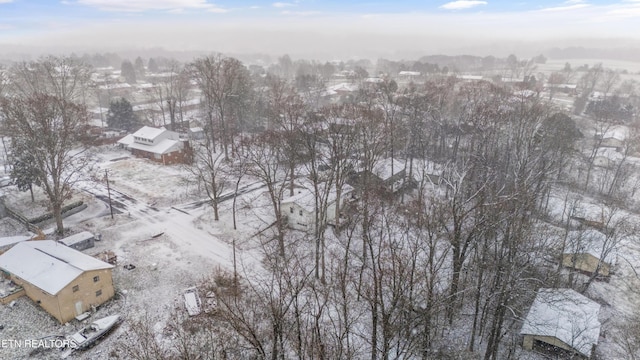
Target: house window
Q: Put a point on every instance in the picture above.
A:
(98, 293)
(300, 213)
(96, 278)
(291, 209)
(75, 288)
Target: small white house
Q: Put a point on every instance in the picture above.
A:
(300, 209)
(564, 319)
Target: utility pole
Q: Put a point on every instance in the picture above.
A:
(106, 175)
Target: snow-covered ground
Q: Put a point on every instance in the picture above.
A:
(149, 199)
(164, 227)
(620, 296)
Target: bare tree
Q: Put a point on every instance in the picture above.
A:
(608, 81)
(207, 168)
(141, 331)
(286, 116)
(44, 114)
(64, 78)
(225, 84)
(264, 160)
(172, 91)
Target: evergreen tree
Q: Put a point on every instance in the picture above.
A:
(127, 70)
(139, 67)
(153, 65)
(121, 116)
(24, 173)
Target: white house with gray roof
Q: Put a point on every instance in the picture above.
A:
(300, 209)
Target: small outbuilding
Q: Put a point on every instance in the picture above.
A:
(80, 241)
(589, 251)
(562, 321)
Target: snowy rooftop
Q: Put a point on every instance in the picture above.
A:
(409, 73)
(148, 132)
(306, 199)
(163, 147)
(127, 140)
(345, 87)
(382, 169)
(618, 132)
(149, 106)
(76, 238)
(11, 240)
(48, 265)
(591, 242)
(144, 85)
(566, 315)
(470, 77)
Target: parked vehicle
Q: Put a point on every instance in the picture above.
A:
(192, 301)
(88, 335)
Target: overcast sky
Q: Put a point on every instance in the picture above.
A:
(314, 26)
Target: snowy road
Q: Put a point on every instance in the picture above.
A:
(226, 196)
(121, 202)
(176, 224)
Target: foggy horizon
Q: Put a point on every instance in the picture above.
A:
(311, 29)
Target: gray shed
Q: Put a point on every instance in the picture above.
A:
(80, 241)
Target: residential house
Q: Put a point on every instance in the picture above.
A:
(562, 321)
(388, 175)
(64, 282)
(614, 137)
(196, 133)
(300, 209)
(408, 76)
(158, 144)
(590, 252)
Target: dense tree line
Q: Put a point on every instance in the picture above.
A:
(444, 270)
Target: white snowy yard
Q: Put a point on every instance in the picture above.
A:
(192, 248)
